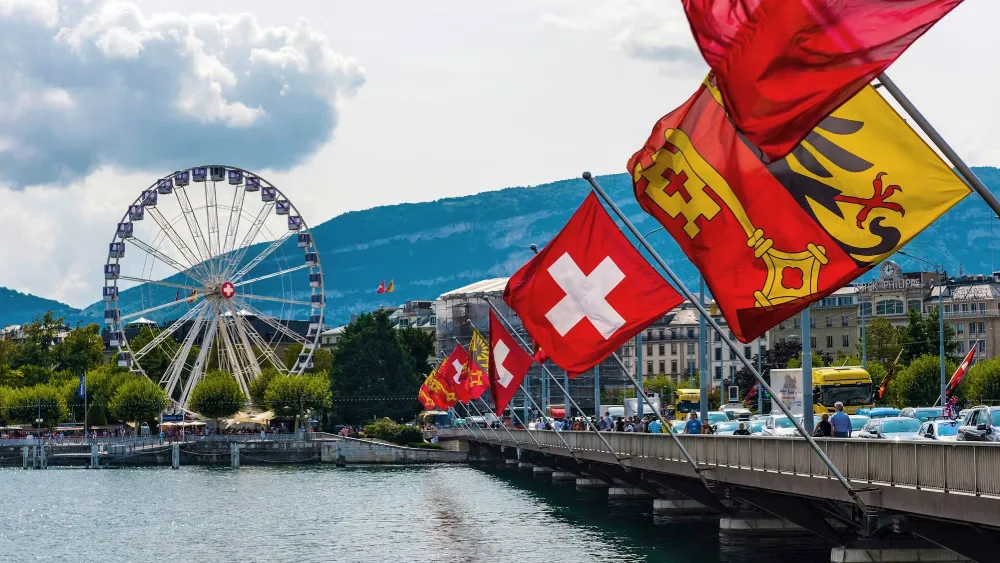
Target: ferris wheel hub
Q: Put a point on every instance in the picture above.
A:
(228, 290)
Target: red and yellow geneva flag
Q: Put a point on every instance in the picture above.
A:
(772, 237)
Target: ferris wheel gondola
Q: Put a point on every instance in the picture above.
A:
(220, 273)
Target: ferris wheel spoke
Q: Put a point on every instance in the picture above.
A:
(244, 340)
(248, 239)
(270, 321)
(162, 283)
(212, 219)
(266, 351)
(167, 332)
(175, 238)
(172, 377)
(272, 275)
(274, 299)
(263, 255)
(228, 347)
(193, 226)
(235, 212)
(192, 272)
(199, 364)
(151, 310)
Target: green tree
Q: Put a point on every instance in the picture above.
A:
(322, 359)
(10, 377)
(37, 348)
(102, 382)
(81, 350)
(663, 385)
(8, 351)
(419, 346)
(878, 373)
(259, 385)
(369, 363)
(137, 400)
(982, 384)
(919, 384)
(296, 395)
(24, 405)
(36, 374)
(920, 337)
(882, 342)
(217, 396)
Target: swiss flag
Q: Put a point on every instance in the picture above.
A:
(453, 371)
(959, 375)
(588, 291)
(509, 363)
(381, 287)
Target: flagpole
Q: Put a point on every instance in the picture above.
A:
(550, 374)
(732, 346)
(940, 143)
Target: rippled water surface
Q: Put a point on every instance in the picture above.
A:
(370, 514)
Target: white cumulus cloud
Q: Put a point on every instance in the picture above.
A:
(101, 84)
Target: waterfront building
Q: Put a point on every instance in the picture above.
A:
(833, 322)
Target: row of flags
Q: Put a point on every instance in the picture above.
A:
(382, 288)
(782, 178)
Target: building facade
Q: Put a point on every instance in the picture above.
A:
(834, 326)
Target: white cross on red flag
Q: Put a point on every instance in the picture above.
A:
(588, 291)
(453, 369)
(963, 369)
(509, 363)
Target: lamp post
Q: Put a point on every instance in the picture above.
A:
(638, 348)
(940, 292)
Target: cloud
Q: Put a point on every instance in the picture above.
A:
(652, 30)
(100, 84)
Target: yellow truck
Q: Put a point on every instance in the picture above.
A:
(687, 401)
(851, 385)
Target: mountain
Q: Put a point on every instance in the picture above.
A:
(17, 308)
(433, 247)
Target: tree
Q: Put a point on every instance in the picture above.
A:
(296, 395)
(982, 384)
(81, 350)
(419, 345)
(322, 359)
(920, 337)
(36, 374)
(27, 404)
(776, 357)
(258, 387)
(137, 400)
(102, 382)
(39, 340)
(217, 396)
(10, 377)
(878, 373)
(919, 384)
(369, 363)
(820, 358)
(660, 384)
(882, 343)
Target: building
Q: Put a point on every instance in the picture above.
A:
(834, 324)
(329, 337)
(972, 308)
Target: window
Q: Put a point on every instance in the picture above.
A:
(981, 350)
(730, 335)
(663, 350)
(829, 302)
(649, 368)
(649, 334)
(781, 325)
(673, 333)
(982, 307)
(982, 327)
(690, 349)
(673, 366)
(690, 333)
(718, 338)
(959, 329)
(947, 308)
(795, 321)
(732, 373)
(829, 341)
(718, 372)
(812, 322)
(914, 305)
(889, 307)
(866, 309)
(961, 348)
(845, 301)
(661, 334)
(718, 354)
(649, 349)
(965, 307)
(972, 329)
(673, 348)
(829, 322)
(844, 321)
(812, 342)
(846, 341)
(663, 366)
(747, 353)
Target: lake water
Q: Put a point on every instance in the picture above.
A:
(369, 514)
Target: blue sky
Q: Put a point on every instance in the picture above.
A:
(348, 105)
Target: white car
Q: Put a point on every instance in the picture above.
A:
(726, 428)
(943, 430)
(780, 425)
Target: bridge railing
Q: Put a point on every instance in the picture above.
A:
(962, 467)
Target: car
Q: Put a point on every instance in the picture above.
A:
(858, 422)
(725, 428)
(944, 429)
(780, 425)
(717, 416)
(736, 412)
(891, 428)
(923, 414)
(759, 417)
(757, 426)
(878, 412)
(982, 424)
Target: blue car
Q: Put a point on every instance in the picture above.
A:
(879, 412)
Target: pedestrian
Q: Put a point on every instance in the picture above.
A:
(693, 425)
(654, 427)
(823, 428)
(742, 430)
(841, 422)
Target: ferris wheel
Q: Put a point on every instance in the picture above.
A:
(212, 268)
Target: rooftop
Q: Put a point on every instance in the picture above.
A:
(493, 285)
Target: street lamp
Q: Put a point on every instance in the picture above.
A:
(638, 347)
(937, 269)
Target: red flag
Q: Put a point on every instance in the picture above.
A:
(453, 371)
(588, 291)
(962, 370)
(751, 394)
(784, 65)
(424, 396)
(538, 354)
(440, 388)
(509, 363)
(381, 287)
(883, 387)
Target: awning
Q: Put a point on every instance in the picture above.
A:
(557, 412)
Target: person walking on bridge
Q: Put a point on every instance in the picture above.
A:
(693, 425)
(841, 422)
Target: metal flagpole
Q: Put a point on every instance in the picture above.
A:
(597, 392)
(940, 143)
(760, 392)
(473, 403)
(732, 346)
(807, 366)
(553, 378)
(702, 364)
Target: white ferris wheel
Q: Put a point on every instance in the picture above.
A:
(222, 269)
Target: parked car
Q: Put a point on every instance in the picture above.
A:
(780, 425)
(891, 428)
(878, 412)
(982, 424)
(725, 428)
(717, 416)
(858, 422)
(757, 426)
(736, 412)
(923, 414)
(944, 429)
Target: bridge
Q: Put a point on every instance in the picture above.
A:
(916, 501)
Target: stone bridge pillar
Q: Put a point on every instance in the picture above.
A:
(849, 555)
